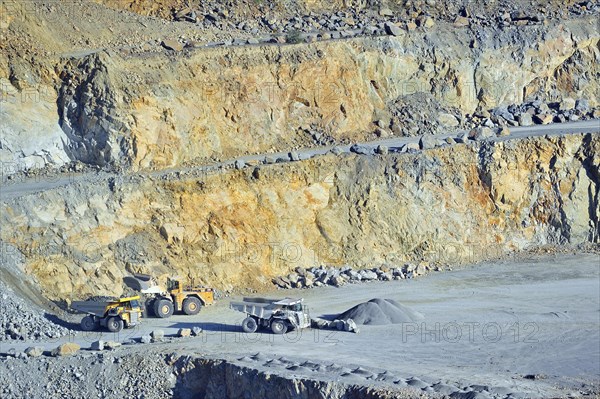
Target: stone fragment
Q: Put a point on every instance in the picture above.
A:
(427, 142)
(97, 346)
(447, 120)
(504, 131)
(111, 345)
(184, 332)
(157, 335)
(67, 349)
(567, 104)
(172, 45)
(392, 29)
(196, 331)
(481, 133)
(543, 119)
(34, 351)
(382, 149)
(525, 119)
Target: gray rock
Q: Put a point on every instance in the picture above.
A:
(350, 326)
(525, 119)
(567, 104)
(145, 339)
(34, 351)
(447, 120)
(97, 346)
(481, 133)
(427, 142)
(392, 29)
(172, 45)
(252, 40)
(382, 149)
(196, 331)
(582, 105)
(337, 150)
(294, 156)
(184, 332)
(361, 149)
(111, 345)
(368, 275)
(239, 164)
(157, 335)
(338, 281)
(386, 12)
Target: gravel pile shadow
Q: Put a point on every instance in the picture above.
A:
(380, 312)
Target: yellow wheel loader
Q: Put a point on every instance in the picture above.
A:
(114, 315)
(175, 298)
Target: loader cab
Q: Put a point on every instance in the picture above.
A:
(173, 285)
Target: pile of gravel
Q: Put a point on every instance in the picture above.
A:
(21, 321)
(380, 312)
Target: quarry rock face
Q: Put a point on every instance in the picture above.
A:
(454, 204)
(101, 110)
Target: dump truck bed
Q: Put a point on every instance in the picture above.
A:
(258, 309)
(90, 307)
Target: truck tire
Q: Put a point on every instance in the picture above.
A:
(191, 305)
(278, 326)
(249, 325)
(114, 324)
(163, 308)
(88, 323)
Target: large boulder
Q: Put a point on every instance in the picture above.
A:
(67, 349)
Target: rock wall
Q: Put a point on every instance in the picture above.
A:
(222, 103)
(154, 108)
(239, 228)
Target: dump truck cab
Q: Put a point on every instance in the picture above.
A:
(114, 315)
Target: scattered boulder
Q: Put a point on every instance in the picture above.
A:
(196, 331)
(172, 45)
(392, 29)
(381, 149)
(481, 133)
(504, 131)
(157, 335)
(567, 104)
(34, 351)
(294, 156)
(525, 119)
(361, 149)
(543, 119)
(184, 332)
(97, 346)
(427, 142)
(239, 164)
(447, 120)
(111, 345)
(386, 12)
(67, 349)
(145, 339)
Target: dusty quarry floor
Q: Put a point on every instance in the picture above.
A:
(530, 326)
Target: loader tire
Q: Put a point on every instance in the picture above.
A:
(88, 324)
(279, 327)
(249, 325)
(114, 324)
(191, 305)
(163, 308)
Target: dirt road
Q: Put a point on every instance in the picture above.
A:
(20, 186)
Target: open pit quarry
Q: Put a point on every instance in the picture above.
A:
(429, 170)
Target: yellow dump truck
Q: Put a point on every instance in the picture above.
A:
(114, 315)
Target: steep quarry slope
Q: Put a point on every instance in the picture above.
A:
(120, 99)
(239, 228)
